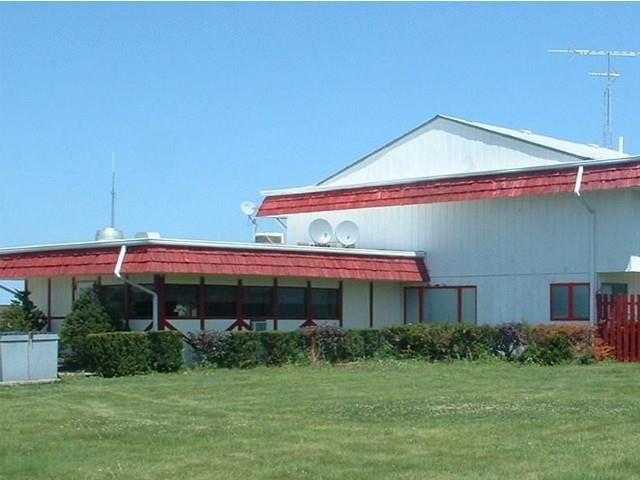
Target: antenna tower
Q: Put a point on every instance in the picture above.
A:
(113, 190)
(611, 76)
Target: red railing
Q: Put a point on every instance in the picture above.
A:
(619, 324)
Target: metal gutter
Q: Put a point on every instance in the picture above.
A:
(487, 173)
(592, 245)
(154, 295)
(171, 242)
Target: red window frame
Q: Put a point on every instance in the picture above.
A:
(421, 299)
(571, 316)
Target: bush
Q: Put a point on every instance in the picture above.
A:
(87, 316)
(279, 348)
(244, 350)
(325, 343)
(210, 346)
(510, 340)
(166, 351)
(22, 315)
(563, 343)
(118, 354)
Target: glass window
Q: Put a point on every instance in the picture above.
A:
(257, 302)
(441, 306)
(412, 305)
(570, 301)
(292, 302)
(140, 303)
(609, 288)
(468, 305)
(324, 303)
(220, 301)
(181, 301)
(112, 297)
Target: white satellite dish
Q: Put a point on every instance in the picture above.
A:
(347, 233)
(248, 208)
(320, 231)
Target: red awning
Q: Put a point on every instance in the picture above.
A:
(213, 261)
(479, 187)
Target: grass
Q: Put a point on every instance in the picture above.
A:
(399, 420)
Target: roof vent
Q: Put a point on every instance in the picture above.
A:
(148, 235)
(524, 130)
(273, 238)
(108, 234)
(594, 145)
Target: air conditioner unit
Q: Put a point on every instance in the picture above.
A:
(273, 238)
(259, 325)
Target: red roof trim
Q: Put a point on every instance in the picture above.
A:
(203, 261)
(479, 187)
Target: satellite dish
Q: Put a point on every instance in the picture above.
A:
(320, 231)
(248, 208)
(347, 233)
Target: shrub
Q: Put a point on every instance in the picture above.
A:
(210, 346)
(279, 348)
(471, 342)
(87, 316)
(166, 351)
(244, 350)
(22, 315)
(557, 350)
(325, 343)
(580, 338)
(120, 353)
(510, 340)
(117, 354)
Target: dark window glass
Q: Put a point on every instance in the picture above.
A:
(140, 303)
(181, 301)
(112, 297)
(257, 302)
(220, 301)
(324, 303)
(292, 302)
(570, 301)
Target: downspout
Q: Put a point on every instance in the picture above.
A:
(154, 295)
(592, 246)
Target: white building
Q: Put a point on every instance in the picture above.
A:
(516, 227)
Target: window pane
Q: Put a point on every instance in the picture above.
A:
(614, 288)
(258, 302)
(559, 301)
(581, 301)
(441, 305)
(140, 303)
(220, 301)
(412, 305)
(291, 302)
(112, 297)
(181, 300)
(324, 303)
(469, 305)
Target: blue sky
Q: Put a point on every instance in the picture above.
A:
(206, 104)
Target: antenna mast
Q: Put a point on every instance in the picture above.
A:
(611, 76)
(113, 190)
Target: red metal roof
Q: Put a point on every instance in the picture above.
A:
(166, 259)
(478, 187)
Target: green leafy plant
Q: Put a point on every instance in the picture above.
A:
(22, 315)
(87, 316)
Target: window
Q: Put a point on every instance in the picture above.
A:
(112, 297)
(608, 288)
(220, 301)
(443, 305)
(292, 302)
(140, 303)
(181, 301)
(570, 301)
(257, 302)
(324, 303)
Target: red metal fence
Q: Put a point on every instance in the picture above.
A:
(619, 324)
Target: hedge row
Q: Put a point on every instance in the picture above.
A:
(547, 345)
(129, 353)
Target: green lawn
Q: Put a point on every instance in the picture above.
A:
(403, 420)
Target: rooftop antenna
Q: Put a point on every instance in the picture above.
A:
(611, 76)
(113, 190)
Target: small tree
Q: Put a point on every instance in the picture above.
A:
(87, 316)
(22, 315)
